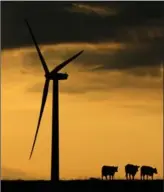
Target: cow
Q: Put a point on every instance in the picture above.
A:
(131, 170)
(148, 171)
(108, 170)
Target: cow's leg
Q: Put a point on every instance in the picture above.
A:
(143, 177)
(147, 177)
(133, 177)
(130, 176)
(126, 175)
(106, 177)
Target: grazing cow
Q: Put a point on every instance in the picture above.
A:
(131, 170)
(148, 171)
(108, 170)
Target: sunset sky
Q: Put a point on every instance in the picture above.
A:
(111, 105)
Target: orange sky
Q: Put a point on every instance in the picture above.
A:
(106, 117)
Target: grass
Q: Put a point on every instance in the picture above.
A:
(84, 185)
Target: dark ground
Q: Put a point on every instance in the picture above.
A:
(85, 185)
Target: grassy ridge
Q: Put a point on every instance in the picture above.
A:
(84, 185)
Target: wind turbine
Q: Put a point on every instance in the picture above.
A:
(55, 77)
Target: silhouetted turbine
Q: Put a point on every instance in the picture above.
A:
(55, 76)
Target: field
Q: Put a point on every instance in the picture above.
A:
(84, 185)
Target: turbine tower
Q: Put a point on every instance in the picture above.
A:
(55, 77)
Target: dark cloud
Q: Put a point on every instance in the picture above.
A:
(83, 88)
(53, 23)
(87, 8)
(102, 82)
(38, 87)
(138, 61)
(139, 25)
(150, 55)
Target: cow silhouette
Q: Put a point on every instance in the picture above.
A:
(147, 171)
(131, 171)
(108, 171)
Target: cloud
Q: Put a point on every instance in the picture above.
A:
(92, 9)
(95, 70)
(10, 173)
(86, 82)
(132, 58)
(139, 61)
(130, 41)
(52, 22)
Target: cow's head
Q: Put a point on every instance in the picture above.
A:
(155, 170)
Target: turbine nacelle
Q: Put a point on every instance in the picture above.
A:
(56, 76)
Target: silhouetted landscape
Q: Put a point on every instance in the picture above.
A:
(108, 184)
(85, 185)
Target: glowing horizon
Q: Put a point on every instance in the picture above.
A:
(135, 101)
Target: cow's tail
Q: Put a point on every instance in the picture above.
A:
(141, 175)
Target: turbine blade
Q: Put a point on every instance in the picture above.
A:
(37, 48)
(44, 97)
(60, 66)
